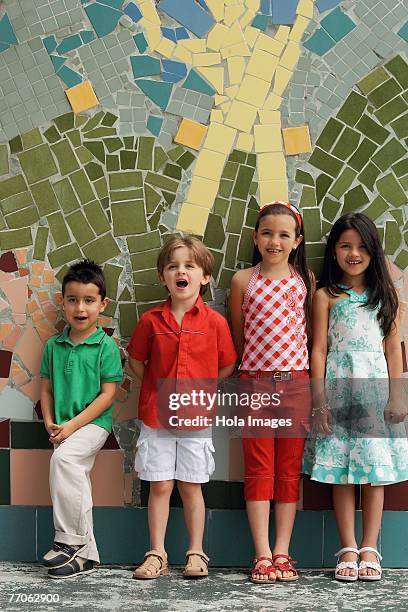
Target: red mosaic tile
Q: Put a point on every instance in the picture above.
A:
(5, 363)
(111, 443)
(24, 271)
(38, 410)
(8, 262)
(5, 433)
(396, 496)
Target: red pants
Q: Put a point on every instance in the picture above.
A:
(273, 465)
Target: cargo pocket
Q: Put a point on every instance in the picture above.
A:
(209, 450)
(141, 456)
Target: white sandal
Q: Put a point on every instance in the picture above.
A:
(375, 565)
(346, 565)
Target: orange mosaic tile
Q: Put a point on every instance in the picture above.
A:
(5, 329)
(38, 316)
(43, 296)
(18, 375)
(32, 306)
(21, 256)
(11, 340)
(50, 312)
(30, 349)
(3, 383)
(104, 321)
(48, 277)
(57, 297)
(35, 281)
(45, 331)
(16, 293)
(24, 271)
(38, 267)
(29, 482)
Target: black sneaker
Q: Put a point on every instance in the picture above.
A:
(73, 568)
(60, 554)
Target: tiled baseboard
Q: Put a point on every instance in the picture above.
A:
(122, 536)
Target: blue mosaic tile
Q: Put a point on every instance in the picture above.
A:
(284, 11)
(182, 34)
(87, 36)
(4, 46)
(145, 66)
(158, 92)
(69, 44)
(266, 7)
(320, 42)
(189, 14)
(325, 5)
(70, 77)
(141, 42)
(260, 22)
(171, 77)
(403, 32)
(7, 35)
(204, 5)
(175, 67)
(132, 11)
(154, 124)
(104, 19)
(50, 43)
(337, 24)
(57, 62)
(169, 33)
(195, 82)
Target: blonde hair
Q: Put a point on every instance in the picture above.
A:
(199, 252)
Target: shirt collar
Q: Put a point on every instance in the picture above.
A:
(197, 309)
(95, 338)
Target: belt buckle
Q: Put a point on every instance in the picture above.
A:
(280, 376)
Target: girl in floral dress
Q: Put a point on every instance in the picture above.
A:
(358, 431)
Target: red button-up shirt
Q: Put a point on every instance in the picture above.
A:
(196, 350)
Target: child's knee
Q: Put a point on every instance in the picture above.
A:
(189, 489)
(161, 487)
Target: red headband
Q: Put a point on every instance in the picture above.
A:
(287, 205)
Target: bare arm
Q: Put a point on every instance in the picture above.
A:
(320, 324)
(226, 371)
(395, 410)
(239, 284)
(137, 367)
(47, 406)
(91, 412)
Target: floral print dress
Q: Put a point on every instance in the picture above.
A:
(362, 448)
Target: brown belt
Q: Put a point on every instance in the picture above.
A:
(276, 375)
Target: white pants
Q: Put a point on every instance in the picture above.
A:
(70, 488)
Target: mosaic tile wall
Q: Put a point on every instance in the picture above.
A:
(123, 122)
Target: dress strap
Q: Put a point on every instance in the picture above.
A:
(251, 285)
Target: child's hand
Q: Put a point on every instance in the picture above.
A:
(322, 420)
(395, 412)
(64, 431)
(52, 429)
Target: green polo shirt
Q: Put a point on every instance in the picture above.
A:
(76, 372)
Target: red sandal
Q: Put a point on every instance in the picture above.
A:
(286, 566)
(261, 570)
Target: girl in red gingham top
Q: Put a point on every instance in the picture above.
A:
(270, 314)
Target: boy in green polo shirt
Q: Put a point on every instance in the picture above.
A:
(79, 372)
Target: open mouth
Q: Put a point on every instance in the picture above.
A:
(353, 263)
(273, 251)
(80, 318)
(181, 284)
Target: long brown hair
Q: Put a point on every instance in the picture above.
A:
(297, 258)
(381, 290)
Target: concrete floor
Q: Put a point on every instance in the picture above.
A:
(111, 588)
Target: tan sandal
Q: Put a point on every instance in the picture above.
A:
(196, 564)
(154, 565)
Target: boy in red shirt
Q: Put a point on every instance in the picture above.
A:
(180, 339)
